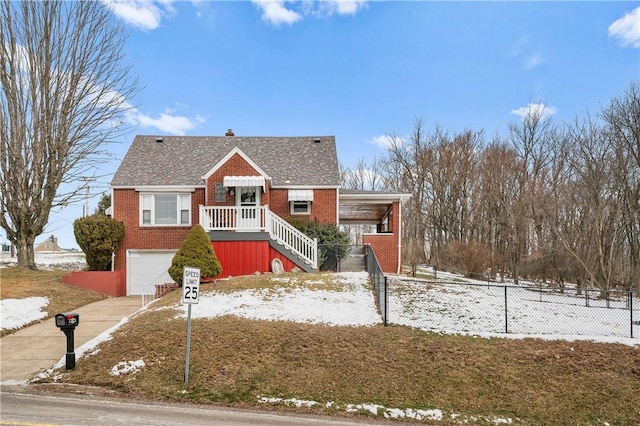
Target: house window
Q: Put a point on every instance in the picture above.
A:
(221, 193)
(301, 207)
(165, 209)
(300, 200)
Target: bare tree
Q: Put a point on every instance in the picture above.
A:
(63, 98)
(495, 198)
(364, 176)
(533, 139)
(598, 200)
(407, 166)
(622, 124)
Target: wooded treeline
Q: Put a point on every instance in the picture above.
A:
(546, 201)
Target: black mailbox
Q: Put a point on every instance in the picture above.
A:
(67, 320)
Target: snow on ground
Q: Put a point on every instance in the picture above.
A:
(353, 305)
(71, 260)
(15, 313)
(445, 309)
(479, 309)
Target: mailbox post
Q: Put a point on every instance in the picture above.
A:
(67, 322)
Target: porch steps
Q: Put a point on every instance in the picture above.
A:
(354, 262)
(289, 254)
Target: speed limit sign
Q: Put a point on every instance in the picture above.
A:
(190, 285)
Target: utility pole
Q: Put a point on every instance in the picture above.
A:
(85, 207)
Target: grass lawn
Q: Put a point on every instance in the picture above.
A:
(235, 361)
(16, 283)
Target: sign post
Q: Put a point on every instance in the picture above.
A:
(190, 296)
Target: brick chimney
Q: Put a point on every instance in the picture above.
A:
(229, 132)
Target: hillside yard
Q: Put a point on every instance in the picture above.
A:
(456, 305)
(314, 343)
(27, 297)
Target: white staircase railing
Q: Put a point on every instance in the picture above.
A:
(296, 241)
(230, 218)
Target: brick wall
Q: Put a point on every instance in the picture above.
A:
(126, 209)
(111, 283)
(323, 207)
(385, 245)
(235, 166)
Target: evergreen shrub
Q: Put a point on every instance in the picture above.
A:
(99, 237)
(333, 244)
(197, 252)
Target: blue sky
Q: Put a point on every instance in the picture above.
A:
(360, 70)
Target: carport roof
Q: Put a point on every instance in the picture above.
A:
(358, 207)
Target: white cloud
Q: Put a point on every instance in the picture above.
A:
(341, 7)
(627, 29)
(386, 141)
(142, 14)
(527, 52)
(275, 12)
(167, 122)
(532, 60)
(535, 110)
(278, 12)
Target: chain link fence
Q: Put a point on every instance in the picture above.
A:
(331, 256)
(476, 308)
(379, 281)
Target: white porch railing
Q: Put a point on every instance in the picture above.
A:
(260, 219)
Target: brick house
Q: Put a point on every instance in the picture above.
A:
(241, 190)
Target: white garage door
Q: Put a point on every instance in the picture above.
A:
(146, 268)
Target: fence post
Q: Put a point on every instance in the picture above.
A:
(586, 297)
(631, 310)
(540, 290)
(506, 323)
(386, 301)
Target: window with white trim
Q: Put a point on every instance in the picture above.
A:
(300, 200)
(300, 207)
(165, 209)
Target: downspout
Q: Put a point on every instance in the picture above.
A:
(113, 212)
(399, 238)
(338, 207)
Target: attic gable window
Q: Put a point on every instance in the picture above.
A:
(165, 209)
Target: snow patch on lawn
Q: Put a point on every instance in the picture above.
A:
(386, 412)
(127, 367)
(70, 260)
(15, 313)
(354, 306)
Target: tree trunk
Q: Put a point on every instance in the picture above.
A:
(26, 258)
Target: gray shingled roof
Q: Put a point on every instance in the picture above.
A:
(183, 160)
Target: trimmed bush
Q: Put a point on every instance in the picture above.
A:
(333, 244)
(99, 237)
(197, 252)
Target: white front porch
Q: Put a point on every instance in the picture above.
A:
(261, 219)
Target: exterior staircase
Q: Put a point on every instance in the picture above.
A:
(282, 236)
(355, 261)
(290, 254)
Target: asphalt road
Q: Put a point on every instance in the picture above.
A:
(26, 409)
